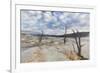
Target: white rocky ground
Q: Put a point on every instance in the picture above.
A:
(51, 49)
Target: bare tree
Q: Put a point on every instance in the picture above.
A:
(65, 34)
(42, 22)
(77, 38)
(41, 36)
(77, 41)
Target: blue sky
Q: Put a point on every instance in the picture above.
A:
(53, 22)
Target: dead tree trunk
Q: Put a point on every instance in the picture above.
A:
(65, 34)
(41, 37)
(77, 41)
(77, 38)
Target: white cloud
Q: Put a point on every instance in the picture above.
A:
(47, 16)
(30, 21)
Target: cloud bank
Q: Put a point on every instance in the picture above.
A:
(53, 22)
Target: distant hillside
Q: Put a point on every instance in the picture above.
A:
(82, 34)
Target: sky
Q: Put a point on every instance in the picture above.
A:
(53, 22)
